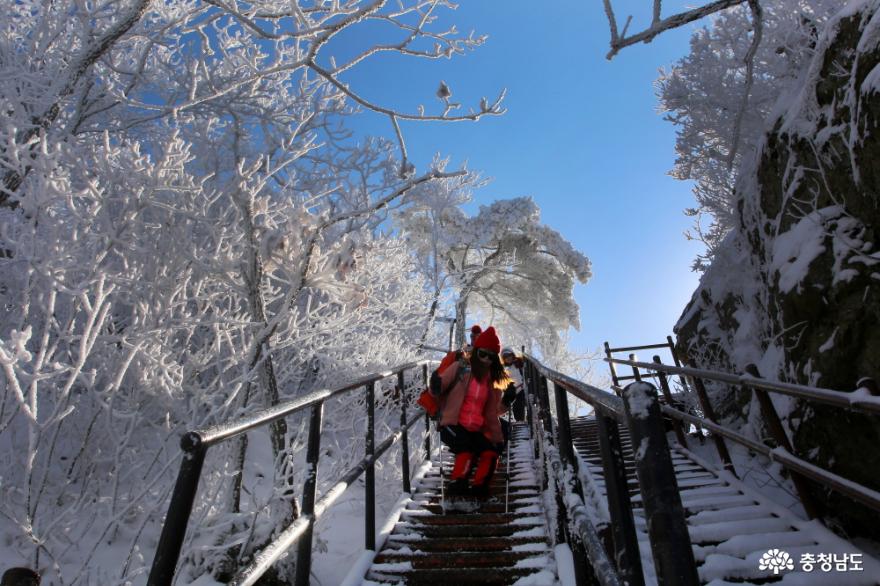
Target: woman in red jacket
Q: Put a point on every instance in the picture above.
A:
(471, 405)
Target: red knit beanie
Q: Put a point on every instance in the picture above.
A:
(488, 340)
(476, 330)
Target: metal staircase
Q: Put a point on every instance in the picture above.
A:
(613, 499)
(485, 546)
(730, 525)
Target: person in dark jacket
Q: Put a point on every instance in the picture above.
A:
(514, 365)
(471, 406)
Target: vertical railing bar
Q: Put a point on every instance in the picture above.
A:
(682, 379)
(427, 437)
(613, 368)
(709, 412)
(427, 417)
(544, 395)
(636, 374)
(370, 477)
(563, 426)
(179, 510)
(566, 449)
(623, 525)
(677, 362)
(676, 424)
(404, 441)
(525, 387)
(664, 514)
(310, 487)
(774, 425)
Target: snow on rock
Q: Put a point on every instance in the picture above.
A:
(791, 288)
(794, 250)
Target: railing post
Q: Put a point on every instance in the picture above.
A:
(709, 412)
(313, 451)
(676, 424)
(563, 427)
(636, 374)
(404, 440)
(427, 418)
(530, 393)
(427, 437)
(614, 379)
(566, 449)
(664, 513)
(870, 384)
(179, 509)
(544, 397)
(370, 477)
(774, 425)
(677, 362)
(623, 525)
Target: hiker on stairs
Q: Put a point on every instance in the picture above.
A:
(514, 366)
(471, 406)
(454, 356)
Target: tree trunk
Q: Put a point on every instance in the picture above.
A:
(286, 507)
(461, 318)
(431, 313)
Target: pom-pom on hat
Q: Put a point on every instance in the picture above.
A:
(488, 340)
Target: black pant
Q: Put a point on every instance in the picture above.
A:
(458, 439)
(519, 407)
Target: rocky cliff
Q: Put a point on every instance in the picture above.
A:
(796, 288)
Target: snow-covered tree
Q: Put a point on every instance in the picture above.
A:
(502, 262)
(704, 95)
(187, 231)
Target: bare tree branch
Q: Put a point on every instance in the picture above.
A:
(620, 40)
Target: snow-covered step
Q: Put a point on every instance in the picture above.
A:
(504, 539)
(731, 526)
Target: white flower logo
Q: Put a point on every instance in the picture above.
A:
(776, 560)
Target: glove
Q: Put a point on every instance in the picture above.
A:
(435, 383)
(509, 395)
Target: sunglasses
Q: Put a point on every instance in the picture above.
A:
(485, 354)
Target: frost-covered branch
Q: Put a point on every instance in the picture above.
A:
(749, 60)
(620, 39)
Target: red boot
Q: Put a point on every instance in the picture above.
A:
(460, 471)
(483, 475)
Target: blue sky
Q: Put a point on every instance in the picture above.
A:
(581, 136)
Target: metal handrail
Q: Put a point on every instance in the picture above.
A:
(573, 521)
(799, 467)
(843, 399)
(638, 409)
(608, 402)
(196, 443)
(852, 489)
(223, 431)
